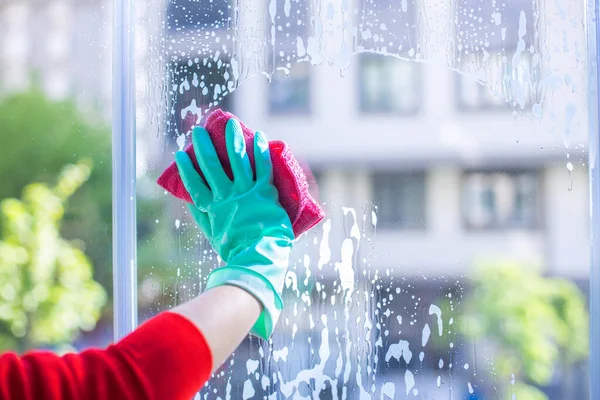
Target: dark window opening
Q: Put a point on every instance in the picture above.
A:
(400, 200)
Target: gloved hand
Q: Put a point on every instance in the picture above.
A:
(242, 219)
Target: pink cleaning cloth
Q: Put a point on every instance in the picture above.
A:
(291, 181)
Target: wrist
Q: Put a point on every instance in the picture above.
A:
(260, 270)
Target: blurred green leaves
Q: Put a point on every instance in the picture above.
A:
(38, 137)
(47, 292)
(536, 322)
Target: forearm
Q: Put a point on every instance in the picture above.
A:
(166, 358)
(224, 315)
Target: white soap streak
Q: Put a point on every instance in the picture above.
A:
(280, 354)
(388, 389)
(433, 309)
(192, 108)
(251, 366)
(228, 389)
(307, 267)
(180, 142)
(317, 372)
(409, 381)
(249, 391)
(344, 268)
(363, 394)
(265, 382)
(291, 279)
(355, 230)
(300, 48)
(425, 335)
(324, 250)
(397, 350)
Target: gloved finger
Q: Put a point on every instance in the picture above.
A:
(262, 158)
(201, 219)
(238, 157)
(209, 163)
(192, 181)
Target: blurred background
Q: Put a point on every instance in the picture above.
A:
(448, 143)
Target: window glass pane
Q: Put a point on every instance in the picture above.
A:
(55, 169)
(449, 144)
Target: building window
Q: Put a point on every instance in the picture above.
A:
(501, 200)
(290, 94)
(400, 199)
(388, 85)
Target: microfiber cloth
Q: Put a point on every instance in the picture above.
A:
(290, 179)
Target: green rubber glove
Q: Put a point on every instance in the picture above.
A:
(242, 219)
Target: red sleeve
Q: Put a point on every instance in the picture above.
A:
(166, 358)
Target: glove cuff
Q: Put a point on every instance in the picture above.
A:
(259, 287)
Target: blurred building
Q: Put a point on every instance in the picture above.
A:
(455, 177)
(452, 175)
(449, 167)
(62, 46)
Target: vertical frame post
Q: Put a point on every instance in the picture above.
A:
(124, 171)
(593, 33)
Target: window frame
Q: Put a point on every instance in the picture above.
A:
(124, 176)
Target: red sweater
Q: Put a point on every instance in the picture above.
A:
(166, 358)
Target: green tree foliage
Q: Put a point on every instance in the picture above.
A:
(40, 136)
(536, 322)
(47, 292)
